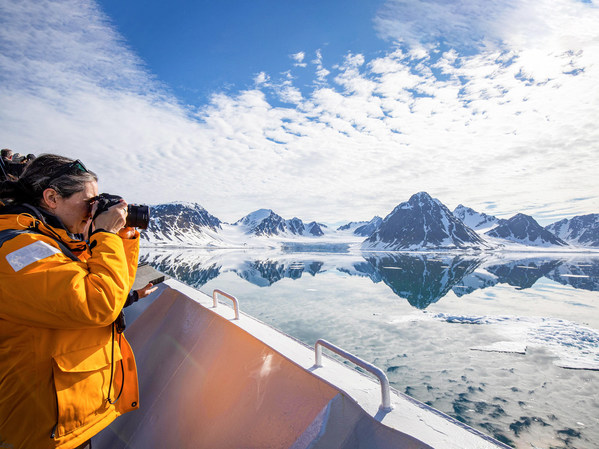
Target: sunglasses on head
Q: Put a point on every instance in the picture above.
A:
(77, 164)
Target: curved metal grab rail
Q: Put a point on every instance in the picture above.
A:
(385, 391)
(217, 292)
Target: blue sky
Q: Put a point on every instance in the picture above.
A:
(201, 47)
(327, 111)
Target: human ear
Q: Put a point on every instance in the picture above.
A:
(50, 198)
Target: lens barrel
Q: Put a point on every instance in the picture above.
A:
(138, 216)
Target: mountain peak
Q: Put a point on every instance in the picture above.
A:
(475, 220)
(257, 215)
(262, 222)
(422, 194)
(524, 229)
(421, 197)
(422, 222)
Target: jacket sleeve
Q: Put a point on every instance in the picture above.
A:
(132, 251)
(57, 292)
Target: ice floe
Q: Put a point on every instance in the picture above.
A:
(503, 346)
(576, 346)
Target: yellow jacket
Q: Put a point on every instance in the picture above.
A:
(57, 348)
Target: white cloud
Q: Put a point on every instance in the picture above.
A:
(299, 59)
(321, 71)
(261, 78)
(468, 23)
(513, 123)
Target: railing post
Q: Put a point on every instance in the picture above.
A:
(385, 390)
(217, 292)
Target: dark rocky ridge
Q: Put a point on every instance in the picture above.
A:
(524, 229)
(423, 222)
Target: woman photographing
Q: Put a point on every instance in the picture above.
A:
(65, 372)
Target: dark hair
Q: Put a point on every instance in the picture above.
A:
(64, 175)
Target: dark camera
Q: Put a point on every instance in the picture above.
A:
(137, 216)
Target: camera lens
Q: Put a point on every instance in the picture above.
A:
(138, 216)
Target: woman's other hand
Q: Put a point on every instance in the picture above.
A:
(145, 291)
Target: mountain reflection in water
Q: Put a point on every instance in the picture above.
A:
(421, 279)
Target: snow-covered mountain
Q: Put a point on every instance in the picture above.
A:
(582, 230)
(352, 225)
(315, 229)
(362, 228)
(476, 220)
(264, 222)
(422, 223)
(181, 224)
(296, 226)
(525, 230)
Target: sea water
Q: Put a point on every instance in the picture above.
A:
(508, 344)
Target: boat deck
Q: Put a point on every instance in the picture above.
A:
(211, 380)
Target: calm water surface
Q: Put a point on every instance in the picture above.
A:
(506, 344)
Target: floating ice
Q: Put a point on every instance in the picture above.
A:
(503, 346)
(576, 346)
(409, 318)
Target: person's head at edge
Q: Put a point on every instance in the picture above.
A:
(6, 154)
(57, 184)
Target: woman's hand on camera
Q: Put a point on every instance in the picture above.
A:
(113, 219)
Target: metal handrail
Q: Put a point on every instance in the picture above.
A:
(217, 292)
(385, 391)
